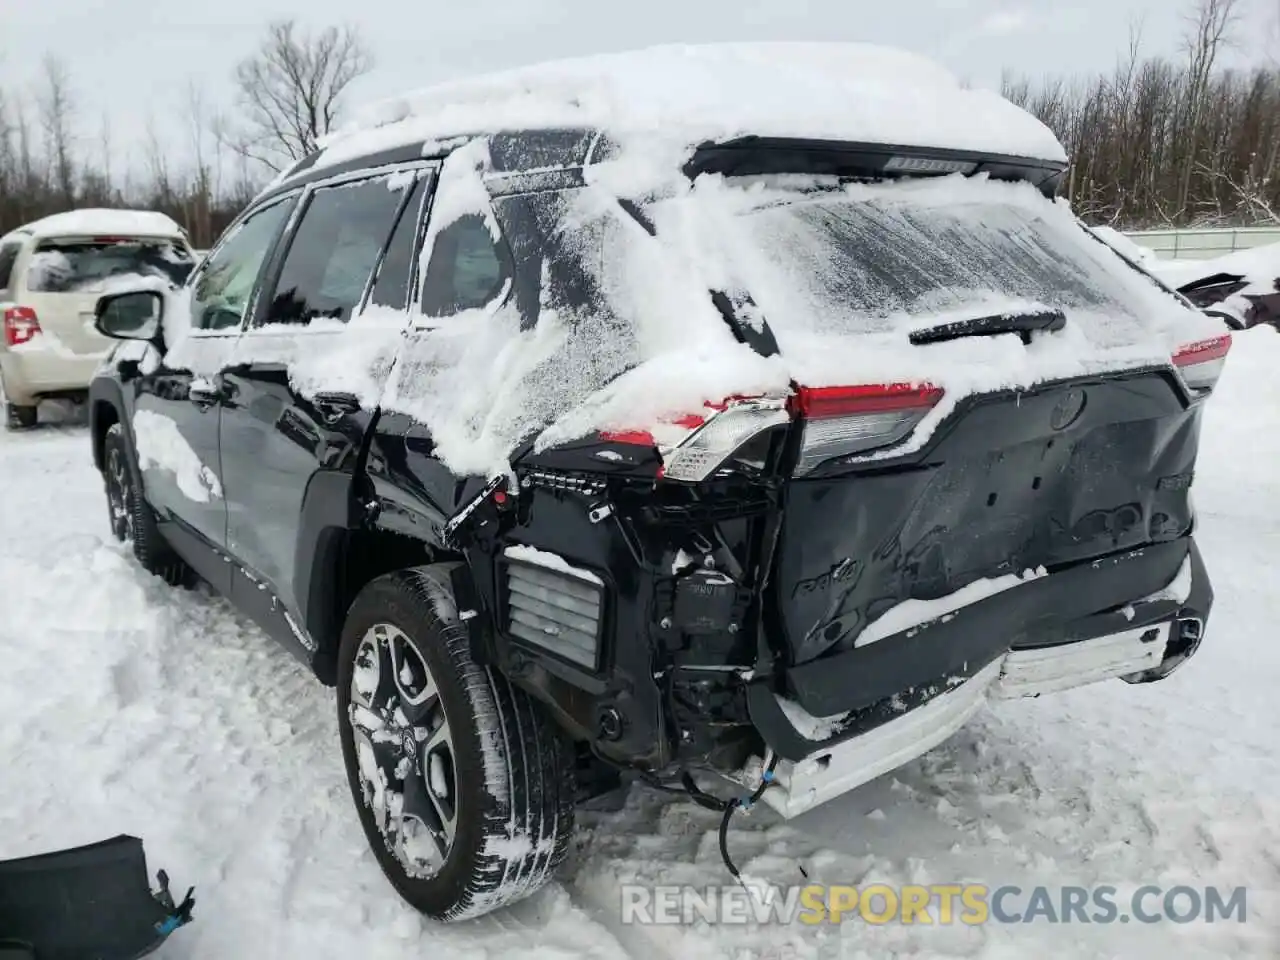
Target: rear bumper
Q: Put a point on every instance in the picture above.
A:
(1139, 641)
(803, 784)
(35, 370)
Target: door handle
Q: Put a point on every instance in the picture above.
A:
(203, 392)
(333, 406)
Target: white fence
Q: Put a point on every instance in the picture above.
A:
(1203, 244)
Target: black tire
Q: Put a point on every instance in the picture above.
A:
(512, 769)
(19, 416)
(130, 516)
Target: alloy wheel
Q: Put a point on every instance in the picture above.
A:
(404, 750)
(118, 495)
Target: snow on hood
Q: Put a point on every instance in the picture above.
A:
(91, 222)
(684, 94)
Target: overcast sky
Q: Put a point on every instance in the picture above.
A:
(131, 57)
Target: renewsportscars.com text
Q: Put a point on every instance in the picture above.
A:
(970, 904)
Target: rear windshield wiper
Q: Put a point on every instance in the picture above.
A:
(1023, 324)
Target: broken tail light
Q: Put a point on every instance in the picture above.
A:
(1201, 363)
(844, 421)
(20, 325)
(838, 421)
(696, 445)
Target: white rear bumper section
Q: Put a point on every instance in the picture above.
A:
(828, 773)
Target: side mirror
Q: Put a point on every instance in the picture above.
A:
(134, 315)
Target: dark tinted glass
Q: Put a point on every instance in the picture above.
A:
(334, 251)
(226, 281)
(467, 269)
(8, 257)
(391, 288)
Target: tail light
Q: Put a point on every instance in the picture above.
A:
(838, 421)
(20, 325)
(695, 446)
(1201, 363)
(843, 421)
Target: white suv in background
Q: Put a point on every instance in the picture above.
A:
(52, 272)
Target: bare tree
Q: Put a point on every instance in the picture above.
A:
(1209, 30)
(291, 88)
(54, 103)
(199, 200)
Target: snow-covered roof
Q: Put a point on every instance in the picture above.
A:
(686, 94)
(94, 222)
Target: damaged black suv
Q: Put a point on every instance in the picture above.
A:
(556, 479)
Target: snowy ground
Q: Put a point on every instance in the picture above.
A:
(125, 707)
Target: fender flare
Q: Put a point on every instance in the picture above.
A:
(110, 392)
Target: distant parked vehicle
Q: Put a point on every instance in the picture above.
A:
(52, 272)
(1243, 288)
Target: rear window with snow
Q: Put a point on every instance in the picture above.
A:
(72, 266)
(875, 258)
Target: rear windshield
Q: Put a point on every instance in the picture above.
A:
(74, 266)
(877, 258)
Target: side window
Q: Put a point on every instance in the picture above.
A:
(391, 288)
(226, 279)
(467, 268)
(8, 257)
(334, 250)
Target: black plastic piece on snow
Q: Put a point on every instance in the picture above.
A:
(88, 903)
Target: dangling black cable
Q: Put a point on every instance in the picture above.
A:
(743, 803)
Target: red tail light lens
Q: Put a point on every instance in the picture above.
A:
(845, 421)
(1201, 363)
(20, 325)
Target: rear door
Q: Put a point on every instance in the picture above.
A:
(64, 277)
(306, 377)
(177, 404)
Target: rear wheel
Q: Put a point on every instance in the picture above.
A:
(463, 785)
(17, 416)
(131, 518)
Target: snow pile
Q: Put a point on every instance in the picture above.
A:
(101, 222)
(681, 95)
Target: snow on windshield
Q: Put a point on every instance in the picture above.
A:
(844, 273)
(882, 258)
(81, 266)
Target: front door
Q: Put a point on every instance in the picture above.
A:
(179, 399)
(306, 378)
